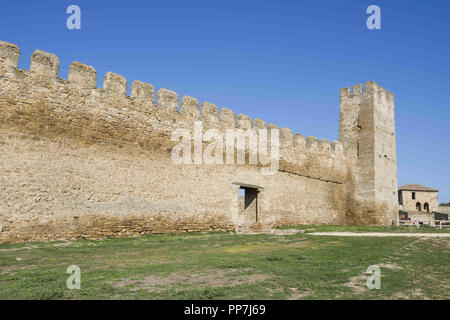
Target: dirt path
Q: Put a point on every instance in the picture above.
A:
(379, 234)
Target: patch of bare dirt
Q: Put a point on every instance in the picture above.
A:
(264, 246)
(21, 248)
(392, 266)
(357, 283)
(12, 269)
(443, 243)
(296, 295)
(63, 244)
(177, 280)
(411, 294)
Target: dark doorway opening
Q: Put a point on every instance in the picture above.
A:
(249, 208)
(248, 204)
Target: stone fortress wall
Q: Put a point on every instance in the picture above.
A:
(367, 131)
(443, 209)
(81, 161)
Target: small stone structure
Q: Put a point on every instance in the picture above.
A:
(414, 197)
(419, 202)
(81, 161)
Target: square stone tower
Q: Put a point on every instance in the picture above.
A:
(367, 132)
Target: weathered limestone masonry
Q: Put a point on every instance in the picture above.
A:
(367, 132)
(443, 209)
(80, 161)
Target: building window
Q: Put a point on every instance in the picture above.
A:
(418, 206)
(414, 196)
(426, 207)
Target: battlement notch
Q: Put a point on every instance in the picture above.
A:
(337, 149)
(115, 83)
(210, 113)
(190, 108)
(349, 92)
(9, 55)
(228, 117)
(299, 140)
(325, 145)
(312, 143)
(286, 136)
(244, 121)
(45, 63)
(260, 124)
(82, 74)
(168, 99)
(142, 91)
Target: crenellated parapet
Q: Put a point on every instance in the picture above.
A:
(209, 113)
(81, 158)
(82, 75)
(131, 116)
(244, 122)
(168, 99)
(115, 84)
(227, 118)
(45, 63)
(9, 55)
(190, 108)
(142, 91)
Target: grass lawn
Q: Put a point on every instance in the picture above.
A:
(231, 266)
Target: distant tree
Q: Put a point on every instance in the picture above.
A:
(445, 204)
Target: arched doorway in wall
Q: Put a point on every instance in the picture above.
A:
(418, 206)
(426, 207)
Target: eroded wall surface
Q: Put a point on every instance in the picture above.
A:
(80, 161)
(367, 132)
(443, 209)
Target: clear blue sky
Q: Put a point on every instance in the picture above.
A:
(281, 61)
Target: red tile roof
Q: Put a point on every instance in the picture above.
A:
(416, 187)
